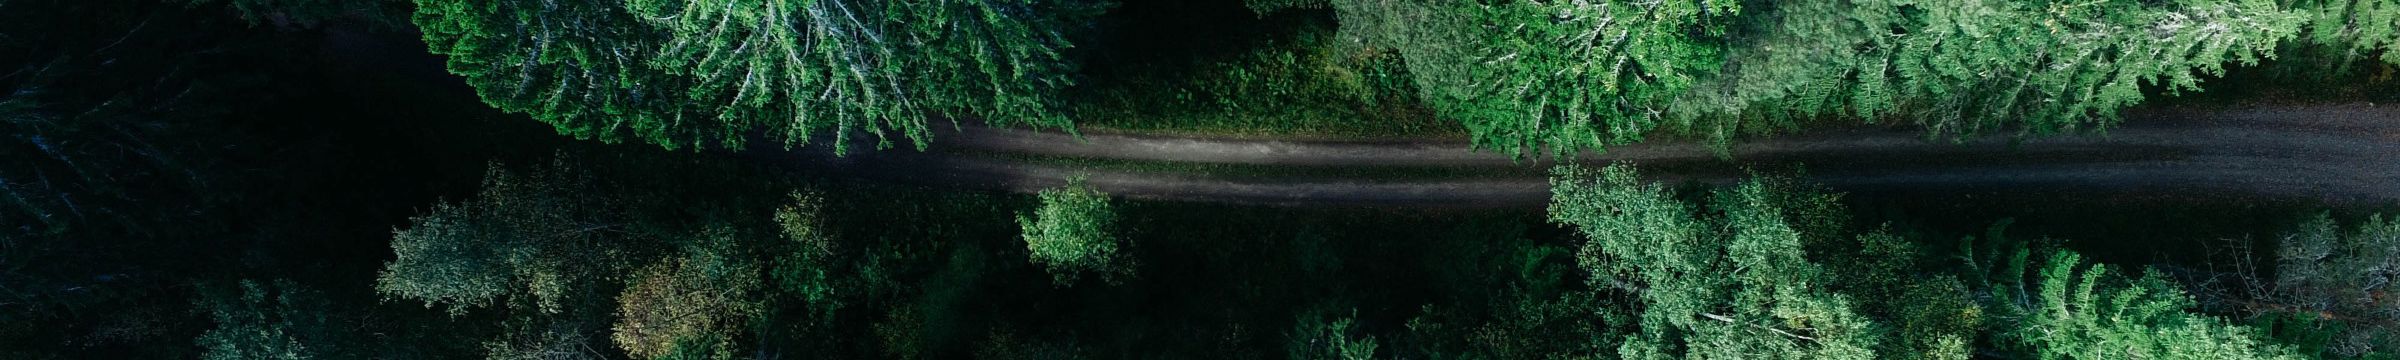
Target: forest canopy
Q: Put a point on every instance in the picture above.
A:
(384, 179)
(1519, 77)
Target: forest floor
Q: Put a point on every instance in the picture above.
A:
(2331, 153)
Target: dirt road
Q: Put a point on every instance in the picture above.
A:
(2347, 153)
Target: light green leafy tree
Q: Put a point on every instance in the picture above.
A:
(807, 271)
(700, 300)
(540, 239)
(1727, 282)
(1074, 232)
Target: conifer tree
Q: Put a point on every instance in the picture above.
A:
(2355, 29)
(1530, 77)
(581, 66)
(2065, 308)
(2328, 274)
(709, 73)
(1970, 67)
(1723, 282)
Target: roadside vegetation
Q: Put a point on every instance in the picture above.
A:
(1286, 74)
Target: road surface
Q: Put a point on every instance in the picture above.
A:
(2344, 153)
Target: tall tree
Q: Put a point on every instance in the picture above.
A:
(539, 240)
(701, 300)
(581, 66)
(707, 73)
(803, 66)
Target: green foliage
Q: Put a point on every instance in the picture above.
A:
(1517, 325)
(1531, 314)
(1525, 77)
(279, 321)
(702, 348)
(2326, 274)
(1074, 232)
(1529, 307)
(1308, 82)
(798, 64)
(706, 73)
(2057, 67)
(2354, 29)
(1962, 68)
(1001, 61)
(807, 271)
(576, 65)
(1317, 336)
(541, 238)
(2067, 309)
(2307, 334)
(707, 295)
(1927, 315)
(1933, 319)
(1725, 283)
(806, 66)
